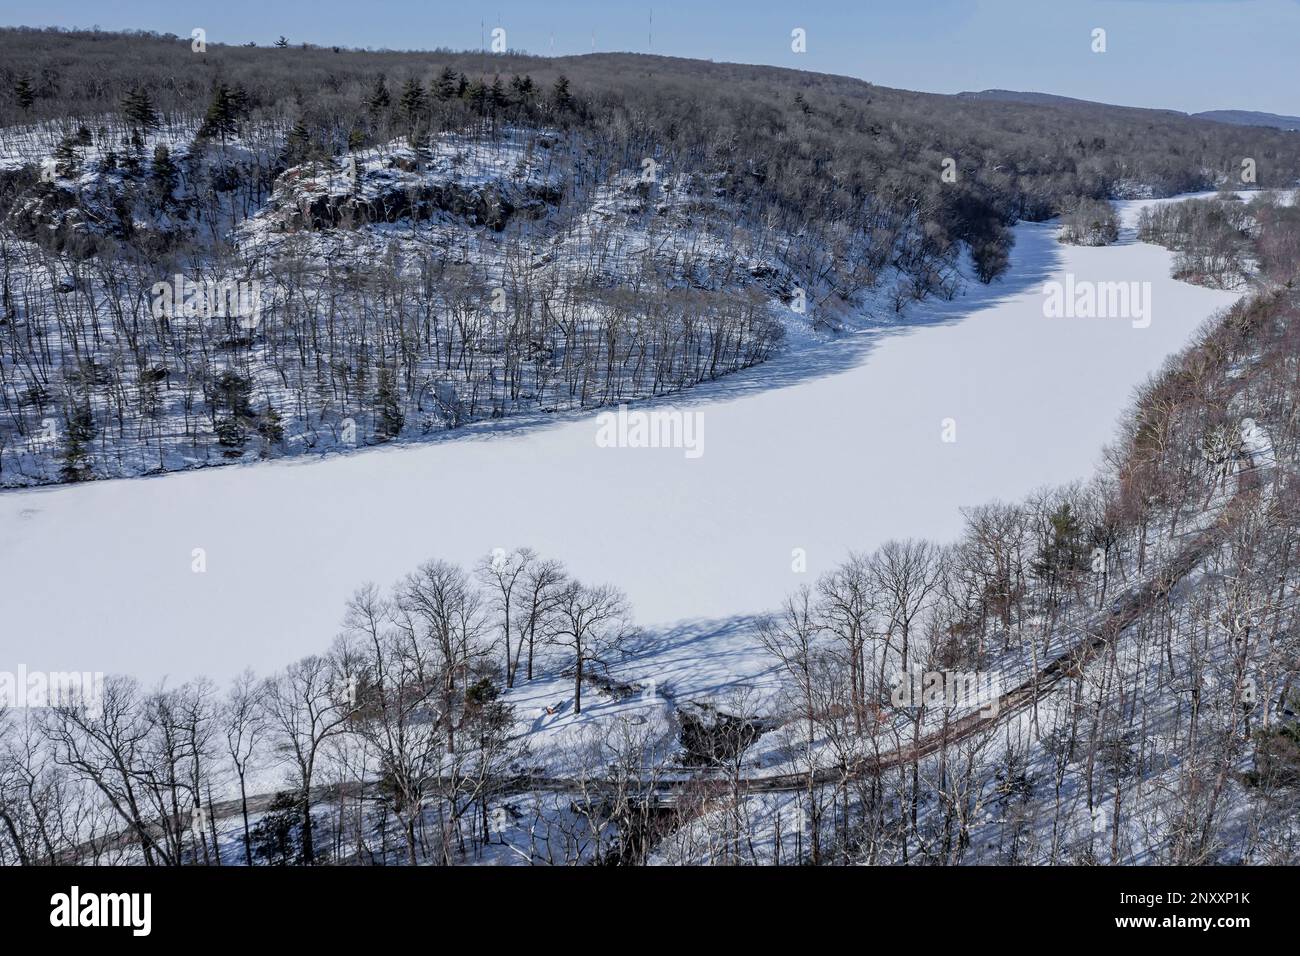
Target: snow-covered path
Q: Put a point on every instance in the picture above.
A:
(825, 449)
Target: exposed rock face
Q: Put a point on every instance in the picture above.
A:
(306, 199)
(474, 183)
(80, 220)
(52, 217)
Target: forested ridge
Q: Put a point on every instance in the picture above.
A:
(259, 251)
(441, 237)
(1146, 620)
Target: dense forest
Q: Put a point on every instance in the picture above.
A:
(1146, 624)
(359, 247)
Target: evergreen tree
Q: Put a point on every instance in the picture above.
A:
(133, 160)
(24, 93)
(388, 406)
(521, 89)
(240, 101)
(297, 145)
(413, 103)
(379, 98)
(231, 435)
(1066, 552)
(271, 425)
(478, 95)
(220, 119)
(496, 96)
(67, 161)
(486, 716)
(79, 432)
(444, 88)
(277, 837)
(232, 394)
(560, 94)
(164, 174)
(139, 111)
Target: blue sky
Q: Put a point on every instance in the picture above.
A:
(1181, 54)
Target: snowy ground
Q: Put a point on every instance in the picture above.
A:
(826, 448)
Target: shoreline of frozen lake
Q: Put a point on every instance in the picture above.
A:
(825, 448)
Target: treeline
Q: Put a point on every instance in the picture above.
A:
(396, 745)
(68, 74)
(770, 189)
(1203, 680)
(1089, 222)
(403, 715)
(1223, 242)
(811, 149)
(94, 384)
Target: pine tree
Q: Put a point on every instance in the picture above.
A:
(220, 119)
(24, 93)
(164, 173)
(521, 89)
(276, 838)
(233, 392)
(560, 93)
(297, 145)
(478, 94)
(67, 161)
(231, 435)
(271, 425)
(496, 96)
(444, 88)
(412, 103)
(379, 99)
(388, 406)
(133, 159)
(80, 432)
(240, 101)
(1066, 553)
(139, 111)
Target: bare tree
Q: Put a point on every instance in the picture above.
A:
(307, 705)
(440, 601)
(245, 724)
(590, 621)
(543, 585)
(792, 637)
(503, 572)
(906, 574)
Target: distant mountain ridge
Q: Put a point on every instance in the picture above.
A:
(1232, 117)
(1250, 118)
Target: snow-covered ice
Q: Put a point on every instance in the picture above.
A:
(829, 447)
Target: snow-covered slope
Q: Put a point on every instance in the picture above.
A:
(829, 447)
